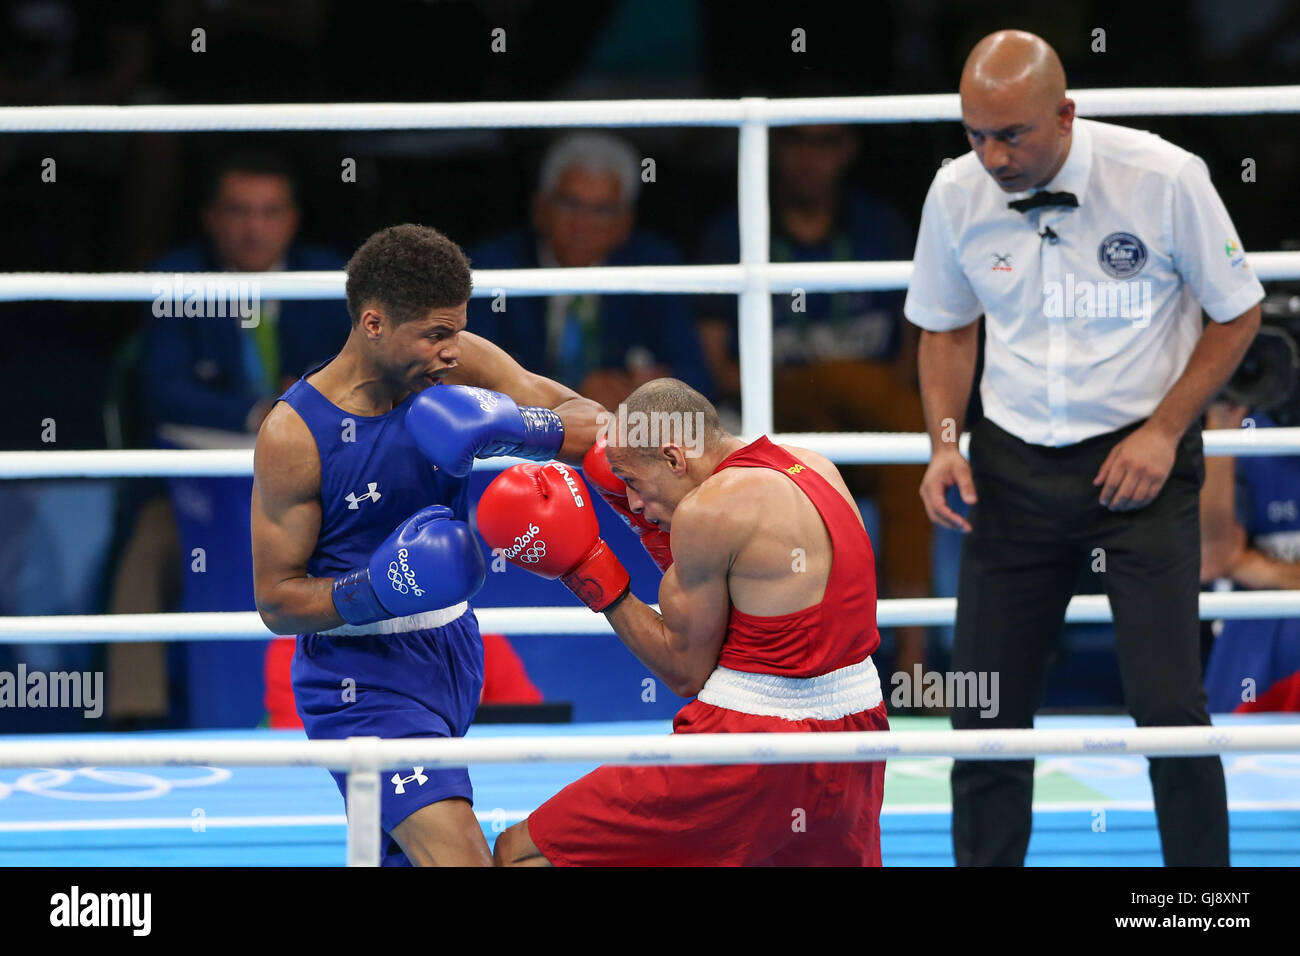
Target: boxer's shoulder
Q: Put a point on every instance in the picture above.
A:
(826, 468)
(735, 504)
(285, 455)
(285, 433)
(725, 508)
(817, 462)
(737, 488)
(728, 490)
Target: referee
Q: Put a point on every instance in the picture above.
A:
(1091, 250)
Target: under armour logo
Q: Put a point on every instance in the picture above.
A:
(400, 782)
(354, 502)
(1002, 263)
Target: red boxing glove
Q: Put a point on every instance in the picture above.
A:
(595, 465)
(540, 518)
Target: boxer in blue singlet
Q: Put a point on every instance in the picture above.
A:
(360, 537)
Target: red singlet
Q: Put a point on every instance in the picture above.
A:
(809, 670)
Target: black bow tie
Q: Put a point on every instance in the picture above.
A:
(1044, 199)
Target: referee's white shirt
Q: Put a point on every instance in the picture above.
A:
(1086, 334)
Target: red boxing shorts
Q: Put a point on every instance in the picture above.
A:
(820, 814)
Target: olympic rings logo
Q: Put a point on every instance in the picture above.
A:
(403, 578)
(535, 553)
(536, 547)
(143, 786)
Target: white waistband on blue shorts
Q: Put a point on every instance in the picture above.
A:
(849, 690)
(424, 621)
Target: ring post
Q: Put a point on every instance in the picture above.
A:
(363, 803)
(755, 299)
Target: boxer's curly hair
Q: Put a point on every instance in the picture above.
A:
(407, 270)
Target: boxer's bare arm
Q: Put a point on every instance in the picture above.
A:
(488, 366)
(286, 519)
(681, 645)
(720, 530)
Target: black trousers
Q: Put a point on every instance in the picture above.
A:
(1036, 525)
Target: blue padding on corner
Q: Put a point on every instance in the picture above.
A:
(223, 681)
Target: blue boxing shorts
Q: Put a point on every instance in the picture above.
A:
(419, 683)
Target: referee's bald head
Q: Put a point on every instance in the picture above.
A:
(1014, 108)
(1014, 59)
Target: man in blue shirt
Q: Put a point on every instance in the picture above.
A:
(223, 371)
(217, 364)
(603, 346)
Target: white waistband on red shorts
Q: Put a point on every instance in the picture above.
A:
(849, 690)
(424, 621)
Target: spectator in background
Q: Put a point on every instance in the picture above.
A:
(225, 372)
(222, 373)
(844, 361)
(603, 346)
(1250, 535)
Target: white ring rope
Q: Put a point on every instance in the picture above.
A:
(157, 463)
(845, 448)
(362, 753)
(248, 626)
(489, 283)
(774, 112)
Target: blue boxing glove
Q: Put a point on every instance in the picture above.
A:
(430, 562)
(454, 424)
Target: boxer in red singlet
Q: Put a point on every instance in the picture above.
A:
(768, 620)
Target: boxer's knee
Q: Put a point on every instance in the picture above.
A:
(503, 853)
(515, 847)
(445, 833)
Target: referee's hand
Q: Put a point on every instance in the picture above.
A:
(1136, 469)
(947, 468)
